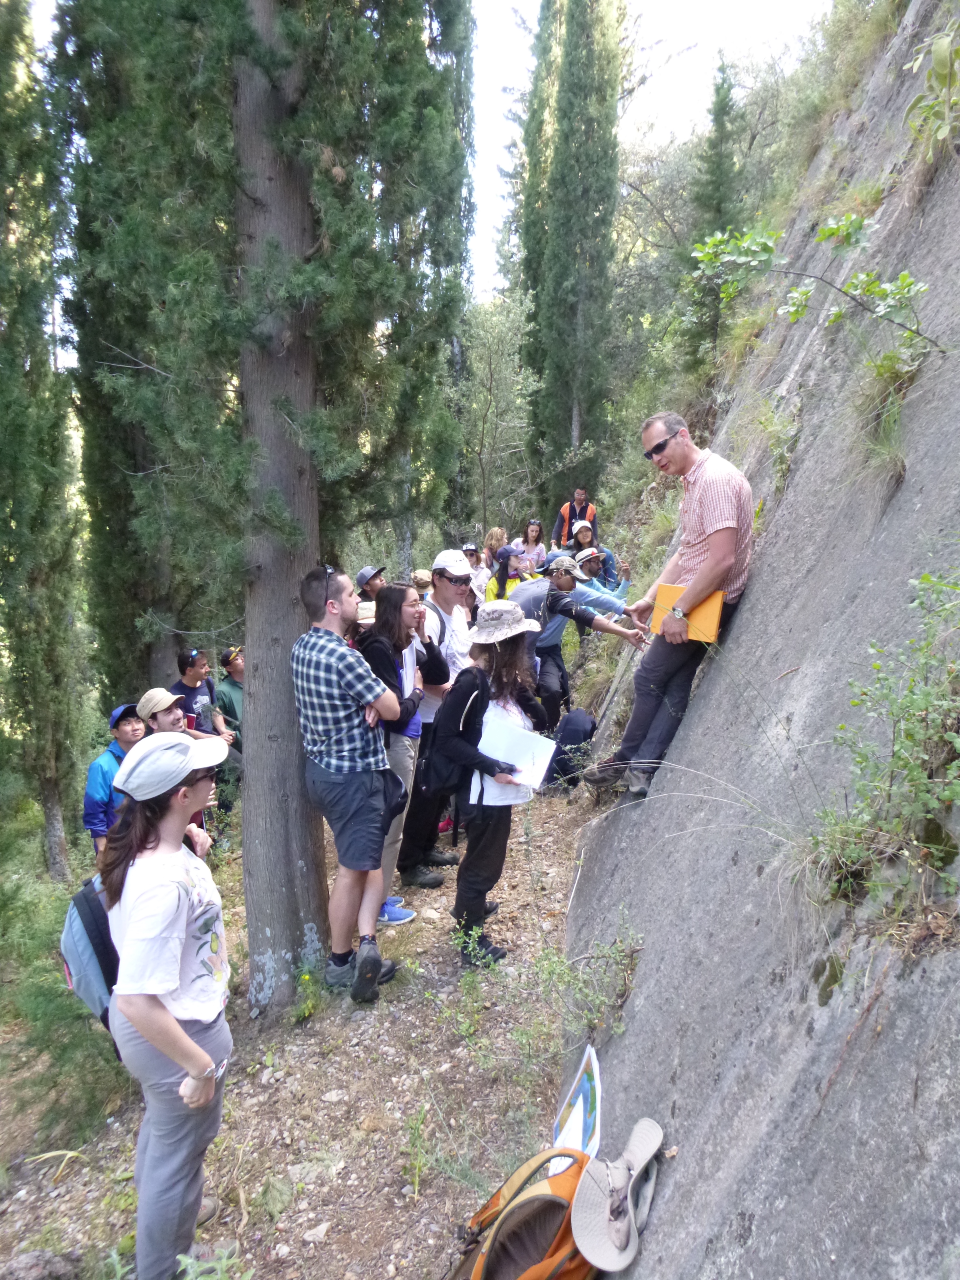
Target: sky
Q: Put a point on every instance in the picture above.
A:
(680, 47)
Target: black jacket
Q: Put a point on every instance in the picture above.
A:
(460, 727)
(382, 659)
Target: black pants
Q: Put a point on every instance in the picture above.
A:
(482, 864)
(423, 816)
(662, 684)
(553, 687)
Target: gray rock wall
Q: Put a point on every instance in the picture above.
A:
(816, 1126)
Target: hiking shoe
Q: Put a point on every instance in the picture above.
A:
(638, 780)
(388, 971)
(605, 773)
(395, 915)
(340, 975)
(490, 908)
(367, 966)
(421, 878)
(435, 858)
(209, 1208)
(393, 902)
(481, 951)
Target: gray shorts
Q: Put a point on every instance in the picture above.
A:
(353, 805)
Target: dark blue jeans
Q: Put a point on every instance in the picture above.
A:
(662, 685)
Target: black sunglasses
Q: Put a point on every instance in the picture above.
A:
(456, 582)
(659, 447)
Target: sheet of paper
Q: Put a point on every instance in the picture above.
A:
(578, 1121)
(528, 751)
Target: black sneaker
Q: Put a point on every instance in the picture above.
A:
(436, 858)
(421, 877)
(480, 951)
(367, 969)
(490, 908)
(388, 971)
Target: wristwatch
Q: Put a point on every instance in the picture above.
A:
(678, 613)
(216, 1070)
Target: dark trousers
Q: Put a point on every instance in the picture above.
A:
(662, 684)
(553, 688)
(423, 816)
(482, 864)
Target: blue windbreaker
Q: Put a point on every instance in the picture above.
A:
(100, 801)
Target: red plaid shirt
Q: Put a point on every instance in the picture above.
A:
(715, 496)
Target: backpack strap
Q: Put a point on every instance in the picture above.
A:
(97, 928)
(513, 1186)
(443, 626)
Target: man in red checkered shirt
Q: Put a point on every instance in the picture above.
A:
(716, 533)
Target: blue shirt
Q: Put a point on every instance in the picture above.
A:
(332, 684)
(100, 800)
(532, 599)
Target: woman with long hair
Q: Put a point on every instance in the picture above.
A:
(166, 1012)
(393, 653)
(498, 688)
(531, 546)
(583, 537)
(509, 574)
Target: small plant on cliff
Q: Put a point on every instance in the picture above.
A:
(934, 114)
(906, 760)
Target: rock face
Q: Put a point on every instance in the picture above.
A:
(807, 1075)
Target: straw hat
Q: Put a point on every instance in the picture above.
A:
(613, 1199)
(499, 620)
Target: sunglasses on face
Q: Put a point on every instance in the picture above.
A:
(659, 447)
(456, 582)
(207, 776)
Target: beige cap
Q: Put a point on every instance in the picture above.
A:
(155, 700)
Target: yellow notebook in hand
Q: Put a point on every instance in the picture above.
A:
(704, 620)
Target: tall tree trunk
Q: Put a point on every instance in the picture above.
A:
(283, 866)
(54, 836)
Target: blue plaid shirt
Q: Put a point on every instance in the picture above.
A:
(332, 684)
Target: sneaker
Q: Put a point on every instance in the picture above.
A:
(445, 826)
(395, 915)
(436, 858)
(388, 971)
(209, 1208)
(421, 878)
(367, 966)
(490, 908)
(605, 773)
(340, 975)
(481, 951)
(638, 780)
(393, 902)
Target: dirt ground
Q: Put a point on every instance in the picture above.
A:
(354, 1143)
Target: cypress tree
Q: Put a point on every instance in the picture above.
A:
(38, 521)
(576, 291)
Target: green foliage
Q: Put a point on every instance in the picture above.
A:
(221, 1267)
(274, 1196)
(934, 114)
(905, 753)
(416, 1151)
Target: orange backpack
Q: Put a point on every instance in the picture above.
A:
(528, 1231)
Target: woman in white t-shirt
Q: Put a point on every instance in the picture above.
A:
(166, 1012)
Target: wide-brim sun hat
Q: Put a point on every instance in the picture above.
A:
(613, 1199)
(566, 564)
(157, 764)
(155, 700)
(499, 620)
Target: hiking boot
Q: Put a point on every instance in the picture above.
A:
(392, 915)
(388, 971)
(605, 773)
(367, 966)
(340, 975)
(421, 877)
(212, 1254)
(434, 858)
(490, 908)
(638, 780)
(481, 951)
(209, 1208)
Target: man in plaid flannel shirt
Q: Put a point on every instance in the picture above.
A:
(340, 703)
(716, 536)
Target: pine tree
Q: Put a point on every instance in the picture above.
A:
(38, 522)
(576, 291)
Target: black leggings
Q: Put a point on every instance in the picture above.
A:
(482, 864)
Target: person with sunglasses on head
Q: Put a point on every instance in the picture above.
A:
(716, 538)
(199, 696)
(446, 624)
(531, 546)
(229, 693)
(166, 1011)
(340, 704)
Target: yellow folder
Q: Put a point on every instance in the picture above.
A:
(704, 620)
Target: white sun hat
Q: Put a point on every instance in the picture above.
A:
(156, 764)
(613, 1199)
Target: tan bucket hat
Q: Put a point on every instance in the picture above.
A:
(613, 1199)
(499, 620)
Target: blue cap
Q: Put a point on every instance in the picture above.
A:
(118, 713)
(504, 554)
